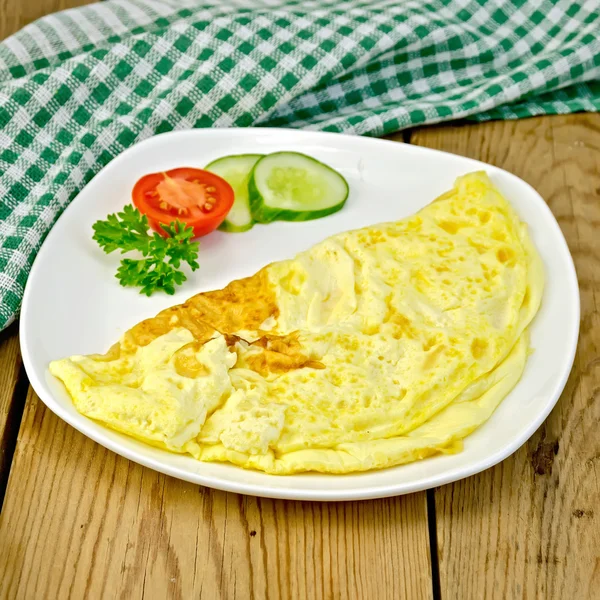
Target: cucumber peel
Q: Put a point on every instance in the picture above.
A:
(290, 186)
(236, 170)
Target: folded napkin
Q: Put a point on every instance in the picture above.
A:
(78, 87)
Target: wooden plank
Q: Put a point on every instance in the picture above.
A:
(120, 530)
(529, 528)
(13, 387)
(15, 14)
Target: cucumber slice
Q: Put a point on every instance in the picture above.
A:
(290, 186)
(235, 170)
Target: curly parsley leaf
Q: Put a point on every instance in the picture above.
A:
(125, 231)
(160, 268)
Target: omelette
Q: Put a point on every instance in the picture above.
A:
(375, 347)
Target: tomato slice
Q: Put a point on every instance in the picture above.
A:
(193, 196)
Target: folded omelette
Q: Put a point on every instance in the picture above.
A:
(374, 348)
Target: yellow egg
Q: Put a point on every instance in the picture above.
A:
(374, 348)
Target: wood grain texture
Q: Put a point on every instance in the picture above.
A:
(15, 14)
(13, 387)
(529, 528)
(119, 530)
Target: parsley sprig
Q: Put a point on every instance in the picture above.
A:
(127, 231)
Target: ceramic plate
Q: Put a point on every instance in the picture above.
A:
(74, 305)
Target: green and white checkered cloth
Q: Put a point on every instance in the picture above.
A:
(78, 87)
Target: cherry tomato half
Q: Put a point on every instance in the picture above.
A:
(193, 196)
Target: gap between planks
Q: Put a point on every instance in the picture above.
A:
(13, 391)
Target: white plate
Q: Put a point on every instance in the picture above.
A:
(74, 305)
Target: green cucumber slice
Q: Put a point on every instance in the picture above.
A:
(235, 170)
(290, 186)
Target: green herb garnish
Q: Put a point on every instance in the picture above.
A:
(127, 231)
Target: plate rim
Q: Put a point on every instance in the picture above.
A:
(294, 493)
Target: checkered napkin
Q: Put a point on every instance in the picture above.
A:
(78, 87)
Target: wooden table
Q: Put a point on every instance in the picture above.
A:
(79, 521)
